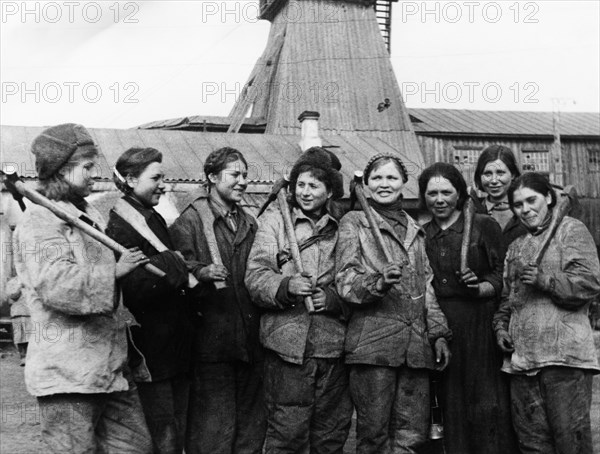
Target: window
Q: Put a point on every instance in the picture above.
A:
(536, 160)
(593, 160)
(465, 159)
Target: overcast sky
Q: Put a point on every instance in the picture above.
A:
(120, 64)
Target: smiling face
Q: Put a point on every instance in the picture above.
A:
(495, 180)
(229, 184)
(441, 198)
(530, 206)
(149, 185)
(311, 194)
(80, 175)
(385, 183)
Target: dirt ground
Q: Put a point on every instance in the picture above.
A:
(20, 420)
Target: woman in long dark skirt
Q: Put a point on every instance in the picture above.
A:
(475, 395)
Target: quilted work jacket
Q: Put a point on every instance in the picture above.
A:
(228, 327)
(79, 338)
(286, 326)
(550, 326)
(397, 327)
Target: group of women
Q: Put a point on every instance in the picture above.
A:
(260, 356)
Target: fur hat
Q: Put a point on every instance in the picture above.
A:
(325, 160)
(54, 147)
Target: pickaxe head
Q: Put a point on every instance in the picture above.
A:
(283, 182)
(10, 179)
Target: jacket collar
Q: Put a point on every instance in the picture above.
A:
(432, 228)
(299, 216)
(246, 223)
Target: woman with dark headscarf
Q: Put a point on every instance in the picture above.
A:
(397, 332)
(475, 395)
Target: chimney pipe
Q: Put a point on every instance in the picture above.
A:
(309, 134)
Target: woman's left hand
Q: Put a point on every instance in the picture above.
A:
(319, 298)
(130, 260)
(442, 354)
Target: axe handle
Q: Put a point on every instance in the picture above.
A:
(360, 196)
(208, 223)
(560, 211)
(291, 236)
(469, 214)
(137, 221)
(39, 199)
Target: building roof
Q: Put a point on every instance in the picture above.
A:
(484, 122)
(438, 122)
(269, 156)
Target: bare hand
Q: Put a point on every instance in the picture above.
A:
(300, 284)
(319, 298)
(212, 273)
(531, 275)
(390, 275)
(504, 341)
(130, 260)
(442, 354)
(469, 278)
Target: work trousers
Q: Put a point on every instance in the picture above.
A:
(308, 405)
(551, 411)
(106, 423)
(392, 408)
(165, 405)
(226, 413)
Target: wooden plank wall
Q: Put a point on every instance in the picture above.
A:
(576, 166)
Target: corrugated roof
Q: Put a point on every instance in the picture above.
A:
(450, 121)
(269, 156)
(456, 121)
(198, 122)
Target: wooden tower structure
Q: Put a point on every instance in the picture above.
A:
(330, 57)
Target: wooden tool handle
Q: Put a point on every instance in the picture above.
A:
(39, 199)
(561, 209)
(468, 214)
(208, 221)
(291, 236)
(362, 199)
(137, 221)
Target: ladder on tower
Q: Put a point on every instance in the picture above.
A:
(383, 11)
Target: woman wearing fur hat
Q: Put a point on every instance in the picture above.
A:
(160, 305)
(226, 412)
(306, 382)
(76, 361)
(397, 332)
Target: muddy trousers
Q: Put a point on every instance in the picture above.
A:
(226, 411)
(308, 405)
(551, 411)
(392, 408)
(165, 405)
(106, 423)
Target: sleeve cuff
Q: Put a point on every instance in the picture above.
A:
(283, 297)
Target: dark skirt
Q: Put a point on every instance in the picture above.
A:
(475, 394)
